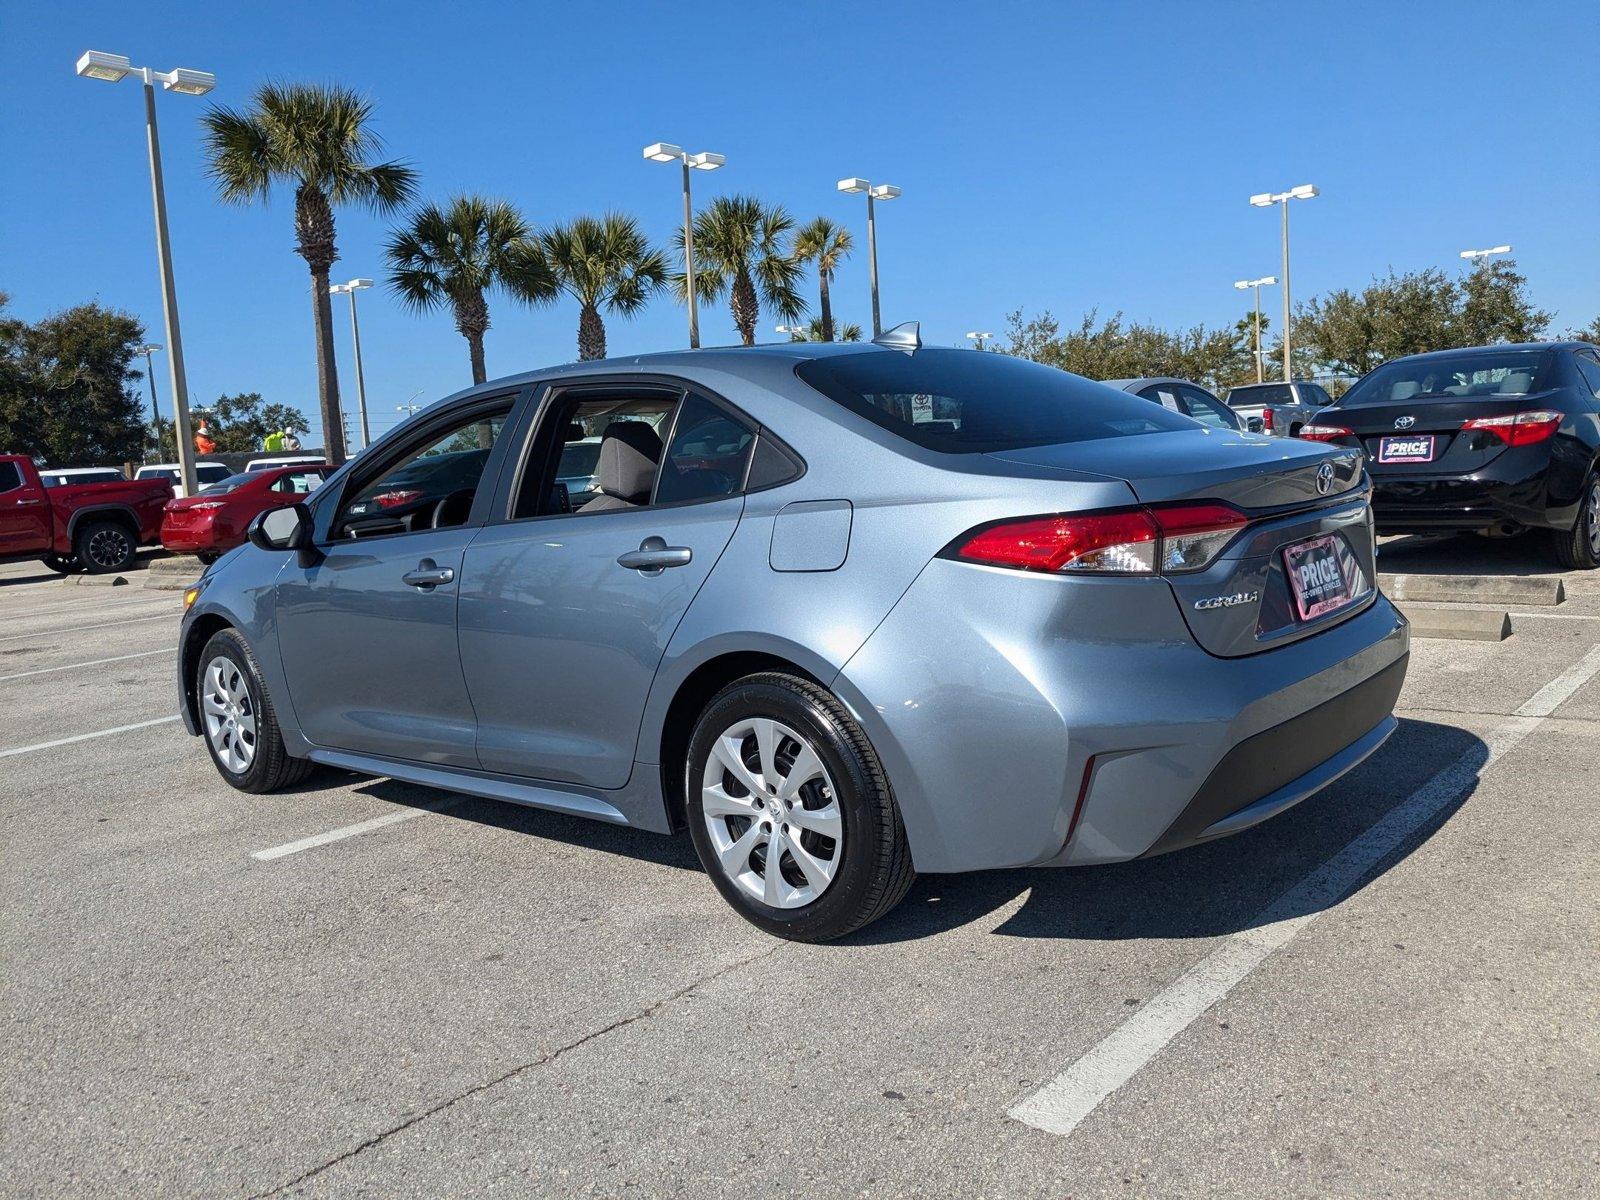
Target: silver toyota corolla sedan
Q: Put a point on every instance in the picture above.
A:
(846, 612)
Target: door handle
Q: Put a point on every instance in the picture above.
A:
(654, 555)
(25, 503)
(428, 575)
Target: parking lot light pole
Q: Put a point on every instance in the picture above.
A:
(1305, 191)
(881, 191)
(351, 288)
(113, 68)
(703, 161)
(1257, 284)
(978, 340)
(147, 350)
(1480, 258)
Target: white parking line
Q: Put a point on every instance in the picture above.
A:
(1063, 1103)
(44, 633)
(84, 737)
(338, 835)
(96, 662)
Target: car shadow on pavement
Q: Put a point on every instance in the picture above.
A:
(1206, 891)
(17, 580)
(1526, 555)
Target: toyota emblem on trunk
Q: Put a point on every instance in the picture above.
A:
(1325, 479)
(1404, 422)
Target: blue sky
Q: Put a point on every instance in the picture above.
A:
(1064, 156)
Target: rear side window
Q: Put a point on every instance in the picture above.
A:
(1589, 368)
(958, 402)
(10, 477)
(708, 453)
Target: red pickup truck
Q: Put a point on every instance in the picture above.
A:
(96, 526)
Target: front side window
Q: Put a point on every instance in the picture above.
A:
(1450, 377)
(958, 402)
(708, 453)
(431, 486)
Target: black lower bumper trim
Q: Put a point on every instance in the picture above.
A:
(1273, 758)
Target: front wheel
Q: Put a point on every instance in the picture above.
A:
(791, 813)
(1579, 550)
(237, 719)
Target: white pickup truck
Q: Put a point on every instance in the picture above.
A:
(1277, 408)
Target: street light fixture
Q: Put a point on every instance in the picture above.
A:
(1304, 191)
(1483, 256)
(113, 68)
(795, 332)
(351, 288)
(1258, 284)
(665, 152)
(978, 339)
(875, 192)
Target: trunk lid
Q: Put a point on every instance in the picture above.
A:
(1454, 452)
(1296, 493)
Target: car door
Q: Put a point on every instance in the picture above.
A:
(25, 513)
(367, 625)
(565, 615)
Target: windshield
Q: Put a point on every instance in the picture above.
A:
(231, 483)
(962, 402)
(1452, 377)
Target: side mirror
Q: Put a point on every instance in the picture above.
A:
(287, 528)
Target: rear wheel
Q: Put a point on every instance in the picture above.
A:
(104, 546)
(791, 813)
(1579, 550)
(238, 721)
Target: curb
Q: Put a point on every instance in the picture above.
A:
(1474, 589)
(1459, 624)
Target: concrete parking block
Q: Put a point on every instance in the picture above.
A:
(1474, 589)
(173, 573)
(95, 580)
(1464, 624)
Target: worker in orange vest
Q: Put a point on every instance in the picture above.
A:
(204, 443)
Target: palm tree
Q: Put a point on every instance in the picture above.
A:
(317, 139)
(453, 255)
(848, 332)
(828, 245)
(742, 249)
(603, 262)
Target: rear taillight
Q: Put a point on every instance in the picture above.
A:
(207, 506)
(1266, 419)
(1521, 429)
(396, 498)
(1325, 433)
(1129, 541)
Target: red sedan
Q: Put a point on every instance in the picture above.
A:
(214, 522)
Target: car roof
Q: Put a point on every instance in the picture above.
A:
(1500, 348)
(1129, 385)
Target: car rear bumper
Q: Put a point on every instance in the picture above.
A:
(1029, 720)
(189, 537)
(1513, 491)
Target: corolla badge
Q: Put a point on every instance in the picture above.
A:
(1325, 479)
(1233, 601)
(1404, 422)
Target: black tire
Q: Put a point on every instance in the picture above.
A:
(61, 564)
(270, 766)
(104, 547)
(207, 557)
(1579, 550)
(874, 869)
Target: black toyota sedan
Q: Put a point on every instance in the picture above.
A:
(1494, 440)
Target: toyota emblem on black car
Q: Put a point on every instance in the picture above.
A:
(1404, 422)
(1325, 479)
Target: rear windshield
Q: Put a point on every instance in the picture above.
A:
(231, 483)
(963, 402)
(1454, 377)
(1266, 393)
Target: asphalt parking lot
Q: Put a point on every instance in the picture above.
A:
(367, 988)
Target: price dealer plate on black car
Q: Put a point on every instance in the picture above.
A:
(1317, 577)
(1407, 448)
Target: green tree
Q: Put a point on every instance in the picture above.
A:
(1495, 307)
(602, 263)
(240, 423)
(827, 244)
(318, 140)
(848, 332)
(1589, 333)
(457, 254)
(67, 387)
(1117, 349)
(741, 249)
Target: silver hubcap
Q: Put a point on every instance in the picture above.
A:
(230, 715)
(772, 813)
(108, 547)
(1594, 517)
